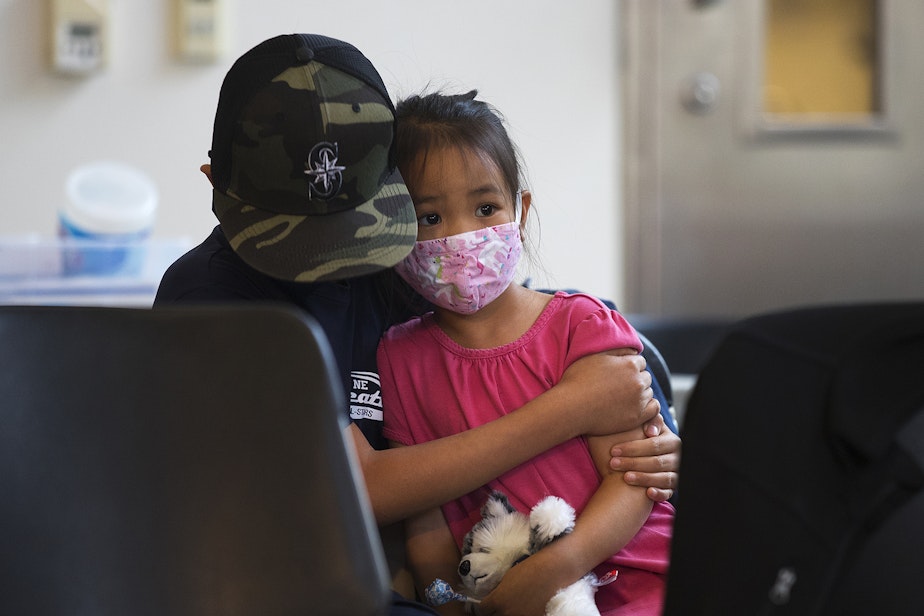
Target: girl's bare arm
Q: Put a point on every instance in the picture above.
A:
(599, 394)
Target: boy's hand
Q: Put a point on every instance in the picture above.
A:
(611, 392)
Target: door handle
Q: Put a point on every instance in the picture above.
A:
(700, 94)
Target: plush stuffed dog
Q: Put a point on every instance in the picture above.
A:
(503, 538)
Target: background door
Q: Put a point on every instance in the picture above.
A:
(749, 190)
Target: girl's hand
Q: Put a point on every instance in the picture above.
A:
(652, 462)
(612, 394)
(525, 589)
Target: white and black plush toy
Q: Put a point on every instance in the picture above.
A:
(504, 537)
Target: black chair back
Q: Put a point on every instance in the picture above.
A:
(803, 463)
(183, 461)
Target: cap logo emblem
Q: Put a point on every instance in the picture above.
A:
(324, 174)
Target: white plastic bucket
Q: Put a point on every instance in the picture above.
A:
(108, 212)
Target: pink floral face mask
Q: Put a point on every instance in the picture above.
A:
(465, 272)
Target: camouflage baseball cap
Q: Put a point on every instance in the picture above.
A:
(306, 187)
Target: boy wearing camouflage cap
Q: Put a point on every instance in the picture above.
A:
(314, 213)
(306, 194)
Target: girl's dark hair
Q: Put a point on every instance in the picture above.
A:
(432, 121)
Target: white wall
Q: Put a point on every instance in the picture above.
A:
(550, 68)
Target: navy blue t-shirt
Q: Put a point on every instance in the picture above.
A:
(353, 313)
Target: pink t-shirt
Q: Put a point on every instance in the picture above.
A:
(432, 387)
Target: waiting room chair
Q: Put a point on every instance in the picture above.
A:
(803, 466)
(182, 461)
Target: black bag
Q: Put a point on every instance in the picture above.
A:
(803, 462)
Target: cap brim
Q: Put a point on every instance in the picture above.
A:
(373, 236)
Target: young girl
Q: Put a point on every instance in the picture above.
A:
(488, 347)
